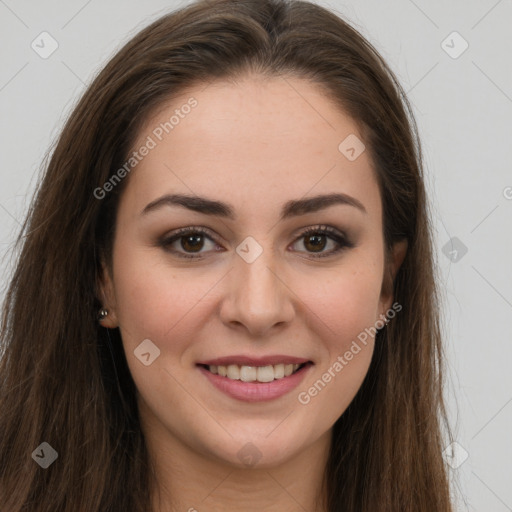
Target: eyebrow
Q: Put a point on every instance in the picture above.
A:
(292, 208)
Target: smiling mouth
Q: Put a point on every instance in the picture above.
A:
(261, 374)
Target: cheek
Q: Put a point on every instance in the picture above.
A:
(152, 300)
(343, 314)
(345, 303)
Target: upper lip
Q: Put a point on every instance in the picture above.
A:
(254, 361)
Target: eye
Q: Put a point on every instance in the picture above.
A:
(190, 239)
(315, 239)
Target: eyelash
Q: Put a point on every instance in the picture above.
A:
(342, 241)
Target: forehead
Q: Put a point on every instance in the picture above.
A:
(262, 140)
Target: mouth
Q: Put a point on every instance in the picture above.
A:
(255, 380)
(258, 374)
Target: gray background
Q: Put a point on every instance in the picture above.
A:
(463, 107)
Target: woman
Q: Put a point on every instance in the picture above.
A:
(225, 296)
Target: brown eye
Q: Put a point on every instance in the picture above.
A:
(315, 243)
(187, 242)
(316, 239)
(192, 243)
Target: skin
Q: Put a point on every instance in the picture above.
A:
(255, 144)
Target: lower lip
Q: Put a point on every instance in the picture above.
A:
(256, 391)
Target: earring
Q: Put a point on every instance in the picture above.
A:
(386, 322)
(103, 313)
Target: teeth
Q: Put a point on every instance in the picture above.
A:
(254, 373)
(265, 374)
(233, 372)
(288, 369)
(248, 373)
(278, 371)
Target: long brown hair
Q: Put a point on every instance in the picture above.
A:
(64, 379)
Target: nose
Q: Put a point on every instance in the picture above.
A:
(257, 297)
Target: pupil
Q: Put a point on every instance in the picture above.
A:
(195, 244)
(318, 243)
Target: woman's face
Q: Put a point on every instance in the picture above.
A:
(252, 290)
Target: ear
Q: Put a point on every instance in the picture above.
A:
(392, 266)
(106, 295)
